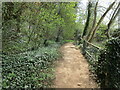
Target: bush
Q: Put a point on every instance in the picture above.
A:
(53, 44)
(66, 41)
(108, 68)
(116, 33)
(31, 69)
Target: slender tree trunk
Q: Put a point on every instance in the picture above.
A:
(94, 20)
(115, 14)
(58, 35)
(29, 36)
(88, 19)
(99, 22)
(59, 32)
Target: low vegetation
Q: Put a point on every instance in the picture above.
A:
(108, 68)
(32, 69)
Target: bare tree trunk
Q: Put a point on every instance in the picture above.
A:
(99, 22)
(88, 19)
(115, 14)
(94, 20)
(29, 36)
(59, 32)
(58, 35)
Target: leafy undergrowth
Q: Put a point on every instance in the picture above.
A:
(105, 64)
(108, 65)
(33, 69)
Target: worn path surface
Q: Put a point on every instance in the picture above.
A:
(73, 70)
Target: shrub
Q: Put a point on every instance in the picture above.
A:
(31, 69)
(108, 68)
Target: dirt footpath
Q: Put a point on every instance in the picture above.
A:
(73, 70)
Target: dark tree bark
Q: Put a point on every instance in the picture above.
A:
(99, 22)
(88, 19)
(115, 14)
(59, 32)
(58, 35)
(94, 20)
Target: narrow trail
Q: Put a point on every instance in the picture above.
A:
(73, 70)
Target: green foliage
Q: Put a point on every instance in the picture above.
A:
(27, 25)
(53, 44)
(26, 28)
(66, 41)
(31, 69)
(100, 33)
(116, 33)
(108, 67)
